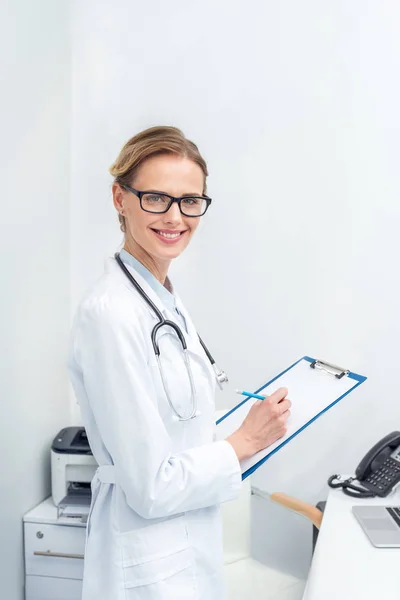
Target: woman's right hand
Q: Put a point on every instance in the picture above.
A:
(264, 425)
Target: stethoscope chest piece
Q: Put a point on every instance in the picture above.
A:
(220, 376)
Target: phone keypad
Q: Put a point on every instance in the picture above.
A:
(383, 480)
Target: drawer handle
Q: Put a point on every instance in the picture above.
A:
(58, 555)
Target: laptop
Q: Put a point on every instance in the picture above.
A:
(380, 523)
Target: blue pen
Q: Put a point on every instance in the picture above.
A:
(250, 395)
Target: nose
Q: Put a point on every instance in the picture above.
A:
(173, 215)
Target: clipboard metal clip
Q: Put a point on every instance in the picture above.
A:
(334, 370)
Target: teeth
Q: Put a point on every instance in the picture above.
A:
(169, 235)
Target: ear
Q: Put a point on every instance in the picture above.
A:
(118, 197)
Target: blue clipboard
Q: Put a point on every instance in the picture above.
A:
(330, 369)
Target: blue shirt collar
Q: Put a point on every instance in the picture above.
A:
(165, 296)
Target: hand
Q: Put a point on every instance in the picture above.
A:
(264, 425)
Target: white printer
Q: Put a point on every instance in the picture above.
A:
(72, 468)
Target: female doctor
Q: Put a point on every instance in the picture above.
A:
(154, 530)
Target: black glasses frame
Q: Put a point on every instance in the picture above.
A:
(172, 199)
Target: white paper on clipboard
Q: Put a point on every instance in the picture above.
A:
(312, 392)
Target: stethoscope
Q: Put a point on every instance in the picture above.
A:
(220, 376)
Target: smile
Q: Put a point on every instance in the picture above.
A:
(169, 236)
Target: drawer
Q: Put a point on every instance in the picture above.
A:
(52, 588)
(54, 550)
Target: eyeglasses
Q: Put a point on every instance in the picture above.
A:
(157, 202)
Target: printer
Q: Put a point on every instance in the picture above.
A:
(72, 468)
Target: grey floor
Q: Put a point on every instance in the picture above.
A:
(250, 579)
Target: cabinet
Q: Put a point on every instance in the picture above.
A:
(52, 588)
(54, 551)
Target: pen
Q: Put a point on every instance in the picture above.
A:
(250, 395)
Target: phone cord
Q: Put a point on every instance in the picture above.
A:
(349, 488)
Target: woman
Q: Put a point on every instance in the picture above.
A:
(154, 528)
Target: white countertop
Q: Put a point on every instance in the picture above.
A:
(345, 564)
(46, 512)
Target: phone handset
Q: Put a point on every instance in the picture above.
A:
(377, 455)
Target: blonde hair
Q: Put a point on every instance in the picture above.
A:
(156, 140)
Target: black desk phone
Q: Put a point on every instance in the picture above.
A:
(377, 473)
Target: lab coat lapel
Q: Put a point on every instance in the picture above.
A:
(113, 265)
(195, 349)
(191, 337)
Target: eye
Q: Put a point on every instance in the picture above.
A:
(192, 201)
(154, 198)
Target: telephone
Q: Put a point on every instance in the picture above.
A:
(378, 472)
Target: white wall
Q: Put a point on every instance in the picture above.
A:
(295, 106)
(34, 305)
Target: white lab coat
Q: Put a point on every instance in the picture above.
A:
(154, 531)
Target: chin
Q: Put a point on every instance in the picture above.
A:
(169, 254)
(162, 252)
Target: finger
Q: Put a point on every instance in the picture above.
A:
(279, 395)
(284, 416)
(284, 406)
(279, 433)
(281, 422)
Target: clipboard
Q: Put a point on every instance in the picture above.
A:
(314, 387)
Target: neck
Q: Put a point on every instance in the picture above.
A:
(158, 268)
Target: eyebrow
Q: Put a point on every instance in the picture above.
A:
(186, 195)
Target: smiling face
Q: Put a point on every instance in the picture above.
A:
(155, 239)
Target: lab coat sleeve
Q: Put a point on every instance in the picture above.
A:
(112, 354)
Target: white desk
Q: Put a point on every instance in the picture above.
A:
(345, 564)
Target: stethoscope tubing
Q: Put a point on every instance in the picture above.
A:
(162, 322)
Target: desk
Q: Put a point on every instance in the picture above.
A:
(345, 565)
